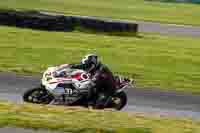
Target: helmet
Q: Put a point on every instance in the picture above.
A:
(90, 59)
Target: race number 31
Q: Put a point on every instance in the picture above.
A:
(68, 91)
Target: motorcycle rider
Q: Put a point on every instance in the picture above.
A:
(101, 76)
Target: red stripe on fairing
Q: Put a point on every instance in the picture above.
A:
(77, 76)
(52, 82)
(63, 65)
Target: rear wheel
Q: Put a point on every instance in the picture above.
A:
(37, 95)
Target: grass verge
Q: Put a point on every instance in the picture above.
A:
(178, 13)
(152, 60)
(78, 120)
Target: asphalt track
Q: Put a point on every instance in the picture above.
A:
(22, 130)
(169, 29)
(149, 101)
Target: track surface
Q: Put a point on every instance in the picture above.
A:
(170, 29)
(21, 130)
(139, 100)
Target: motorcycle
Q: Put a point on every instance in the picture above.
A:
(70, 88)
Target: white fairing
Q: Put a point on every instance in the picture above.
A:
(50, 82)
(82, 84)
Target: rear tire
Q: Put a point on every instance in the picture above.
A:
(37, 95)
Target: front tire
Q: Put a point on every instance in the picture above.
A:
(37, 95)
(119, 100)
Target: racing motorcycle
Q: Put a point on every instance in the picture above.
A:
(70, 88)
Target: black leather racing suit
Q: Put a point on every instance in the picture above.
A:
(104, 82)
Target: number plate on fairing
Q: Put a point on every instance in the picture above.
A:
(68, 91)
(71, 92)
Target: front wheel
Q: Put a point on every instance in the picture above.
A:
(37, 95)
(119, 100)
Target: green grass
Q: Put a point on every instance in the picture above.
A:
(117, 9)
(77, 120)
(152, 60)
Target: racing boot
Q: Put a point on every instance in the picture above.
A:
(101, 101)
(91, 97)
